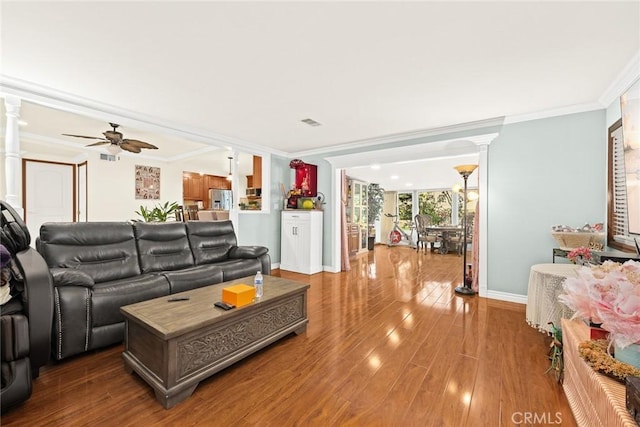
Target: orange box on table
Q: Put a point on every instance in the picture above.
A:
(238, 295)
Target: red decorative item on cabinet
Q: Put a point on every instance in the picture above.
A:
(306, 177)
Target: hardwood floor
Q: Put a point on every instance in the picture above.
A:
(388, 343)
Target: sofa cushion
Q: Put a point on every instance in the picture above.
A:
(237, 268)
(107, 298)
(211, 241)
(247, 252)
(194, 277)
(105, 251)
(163, 246)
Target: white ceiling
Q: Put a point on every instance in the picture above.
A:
(248, 72)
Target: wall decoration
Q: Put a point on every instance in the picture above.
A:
(147, 182)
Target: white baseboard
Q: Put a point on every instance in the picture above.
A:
(506, 296)
(275, 265)
(330, 269)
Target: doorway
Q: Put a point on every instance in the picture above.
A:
(49, 190)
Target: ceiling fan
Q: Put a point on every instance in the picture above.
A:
(118, 143)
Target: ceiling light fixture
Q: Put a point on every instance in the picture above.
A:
(229, 177)
(375, 166)
(114, 149)
(394, 177)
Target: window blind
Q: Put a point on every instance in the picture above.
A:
(620, 215)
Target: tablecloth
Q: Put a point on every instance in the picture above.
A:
(545, 284)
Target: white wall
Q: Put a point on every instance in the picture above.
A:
(111, 187)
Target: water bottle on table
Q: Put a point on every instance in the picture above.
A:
(257, 283)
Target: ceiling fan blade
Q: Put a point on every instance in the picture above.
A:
(129, 147)
(140, 144)
(98, 143)
(83, 136)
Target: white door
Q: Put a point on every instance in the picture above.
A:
(49, 194)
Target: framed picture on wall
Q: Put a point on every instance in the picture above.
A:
(147, 182)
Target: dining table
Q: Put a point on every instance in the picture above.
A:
(446, 232)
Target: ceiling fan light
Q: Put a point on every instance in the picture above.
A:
(114, 149)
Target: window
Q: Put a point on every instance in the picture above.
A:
(440, 206)
(437, 205)
(405, 210)
(618, 235)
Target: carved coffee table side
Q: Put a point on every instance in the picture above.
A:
(173, 364)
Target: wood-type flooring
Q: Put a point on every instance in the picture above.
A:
(389, 343)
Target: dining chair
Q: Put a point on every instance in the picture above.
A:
(422, 223)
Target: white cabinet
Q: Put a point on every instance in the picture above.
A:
(357, 200)
(301, 241)
(357, 210)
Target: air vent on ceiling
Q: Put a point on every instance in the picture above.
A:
(311, 122)
(108, 157)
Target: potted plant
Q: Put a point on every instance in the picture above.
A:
(375, 199)
(159, 213)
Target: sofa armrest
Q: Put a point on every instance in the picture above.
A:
(71, 277)
(38, 302)
(247, 252)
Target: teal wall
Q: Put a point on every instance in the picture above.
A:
(264, 228)
(541, 173)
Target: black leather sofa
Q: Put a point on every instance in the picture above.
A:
(97, 267)
(25, 320)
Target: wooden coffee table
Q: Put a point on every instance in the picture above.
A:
(175, 345)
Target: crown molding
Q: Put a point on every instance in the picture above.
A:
(403, 136)
(563, 111)
(629, 74)
(11, 86)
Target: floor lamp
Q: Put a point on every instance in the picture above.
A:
(465, 171)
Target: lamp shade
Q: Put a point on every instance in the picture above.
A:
(465, 170)
(114, 149)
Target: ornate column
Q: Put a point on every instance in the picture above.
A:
(12, 162)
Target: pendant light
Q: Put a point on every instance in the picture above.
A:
(229, 177)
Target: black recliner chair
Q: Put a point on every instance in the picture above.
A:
(26, 319)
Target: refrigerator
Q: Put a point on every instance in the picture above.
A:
(220, 199)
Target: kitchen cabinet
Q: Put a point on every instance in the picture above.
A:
(301, 241)
(196, 186)
(257, 172)
(192, 186)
